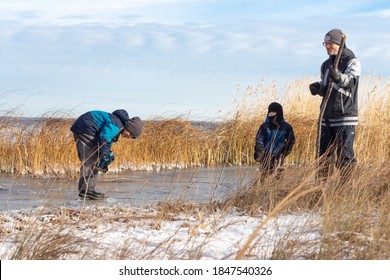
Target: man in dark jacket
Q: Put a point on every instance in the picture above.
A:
(338, 125)
(94, 133)
(274, 140)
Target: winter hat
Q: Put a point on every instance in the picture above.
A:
(278, 109)
(334, 36)
(135, 126)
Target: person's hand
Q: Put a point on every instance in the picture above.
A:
(103, 165)
(315, 88)
(111, 157)
(259, 149)
(335, 75)
(105, 162)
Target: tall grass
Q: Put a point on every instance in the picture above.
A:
(37, 147)
(46, 147)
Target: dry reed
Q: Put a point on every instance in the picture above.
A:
(354, 214)
(46, 147)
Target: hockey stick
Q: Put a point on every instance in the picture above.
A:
(327, 95)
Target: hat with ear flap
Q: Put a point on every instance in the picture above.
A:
(135, 126)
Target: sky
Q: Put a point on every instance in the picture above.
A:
(172, 58)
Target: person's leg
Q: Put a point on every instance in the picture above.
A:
(88, 173)
(326, 152)
(344, 142)
(346, 160)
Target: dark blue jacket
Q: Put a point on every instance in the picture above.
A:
(104, 128)
(277, 142)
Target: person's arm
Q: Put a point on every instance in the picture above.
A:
(106, 136)
(318, 87)
(349, 78)
(290, 141)
(259, 146)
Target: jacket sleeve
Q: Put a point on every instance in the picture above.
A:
(290, 141)
(322, 82)
(350, 76)
(259, 145)
(260, 136)
(107, 136)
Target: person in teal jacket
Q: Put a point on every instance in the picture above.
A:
(94, 133)
(274, 140)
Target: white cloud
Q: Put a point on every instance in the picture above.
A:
(82, 11)
(383, 13)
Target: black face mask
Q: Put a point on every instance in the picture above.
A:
(274, 120)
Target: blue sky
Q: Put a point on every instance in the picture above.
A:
(171, 57)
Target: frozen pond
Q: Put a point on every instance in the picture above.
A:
(135, 188)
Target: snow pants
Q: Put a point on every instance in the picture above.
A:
(337, 144)
(87, 152)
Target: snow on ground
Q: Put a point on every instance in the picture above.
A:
(148, 233)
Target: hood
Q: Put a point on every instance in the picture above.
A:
(345, 54)
(278, 109)
(122, 115)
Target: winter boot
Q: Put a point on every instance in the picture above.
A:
(91, 194)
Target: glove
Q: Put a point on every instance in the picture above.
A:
(335, 75)
(112, 157)
(259, 149)
(315, 88)
(105, 162)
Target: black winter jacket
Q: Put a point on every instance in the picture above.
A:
(342, 106)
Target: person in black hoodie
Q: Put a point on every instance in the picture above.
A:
(274, 140)
(340, 118)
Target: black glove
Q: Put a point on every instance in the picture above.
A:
(315, 88)
(105, 162)
(335, 75)
(259, 149)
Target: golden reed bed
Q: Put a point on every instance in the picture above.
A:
(47, 147)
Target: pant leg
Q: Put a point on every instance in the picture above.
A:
(88, 157)
(344, 141)
(346, 160)
(327, 151)
(326, 140)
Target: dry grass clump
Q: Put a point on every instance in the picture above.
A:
(64, 233)
(356, 217)
(355, 221)
(38, 147)
(167, 143)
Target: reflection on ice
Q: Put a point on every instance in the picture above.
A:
(134, 188)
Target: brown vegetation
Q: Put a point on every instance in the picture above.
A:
(47, 146)
(353, 214)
